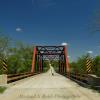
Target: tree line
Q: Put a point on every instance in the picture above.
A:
(80, 66)
(18, 58)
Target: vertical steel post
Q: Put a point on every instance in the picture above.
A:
(33, 61)
(67, 62)
(39, 63)
(63, 63)
(42, 63)
(59, 63)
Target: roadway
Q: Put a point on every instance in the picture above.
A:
(47, 87)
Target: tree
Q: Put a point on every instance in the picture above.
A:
(73, 67)
(80, 65)
(20, 58)
(55, 64)
(46, 65)
(96, 67)
(4, 44)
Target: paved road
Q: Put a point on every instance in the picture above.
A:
(48, 87)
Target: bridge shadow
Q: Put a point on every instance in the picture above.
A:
(82, 83)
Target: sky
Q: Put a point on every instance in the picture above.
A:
(52, 22)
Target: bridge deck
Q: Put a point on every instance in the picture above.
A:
(48, 87)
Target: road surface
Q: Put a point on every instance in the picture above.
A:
(48, 87)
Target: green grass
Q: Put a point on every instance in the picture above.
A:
(2, 89)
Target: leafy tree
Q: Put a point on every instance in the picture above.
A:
(80, 65)
(55, 64)
(45, 65)
(96, 67)
(4, 44)
(20, 58)
(73, 67)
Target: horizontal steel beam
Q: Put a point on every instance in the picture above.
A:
(51, 46)
(50, 54)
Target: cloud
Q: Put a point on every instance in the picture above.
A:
(18, 29)
(68, 56)
(64, 43)
(90, 52)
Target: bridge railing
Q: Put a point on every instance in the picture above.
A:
(16, 77)
(80, 77)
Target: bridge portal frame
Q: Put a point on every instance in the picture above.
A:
(40, 51)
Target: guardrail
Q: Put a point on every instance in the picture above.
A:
(81, 77)
(86, 80)
(15, 77)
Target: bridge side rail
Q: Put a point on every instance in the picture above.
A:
(16, 77)
(80, 77)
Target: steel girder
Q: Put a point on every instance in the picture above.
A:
(58, 53)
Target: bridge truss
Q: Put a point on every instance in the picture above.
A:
(58, 53)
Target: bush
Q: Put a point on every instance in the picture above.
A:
(2, 89)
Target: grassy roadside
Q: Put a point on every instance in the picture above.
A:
(2, 89)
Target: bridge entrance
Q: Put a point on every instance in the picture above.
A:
(58, 53)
